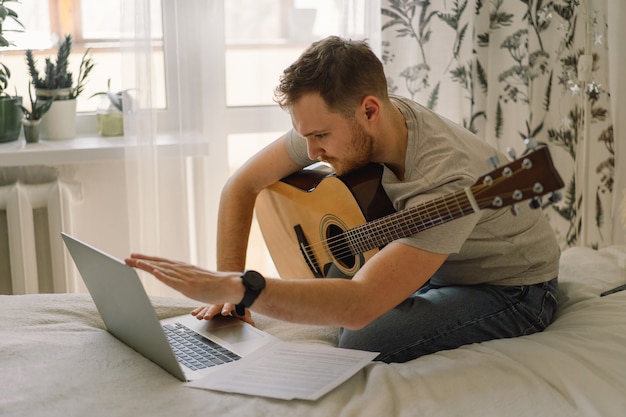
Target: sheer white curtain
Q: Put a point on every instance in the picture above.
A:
(177, 157)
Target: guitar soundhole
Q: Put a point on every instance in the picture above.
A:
(339, 247)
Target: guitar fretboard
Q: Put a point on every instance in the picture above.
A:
(407, 222)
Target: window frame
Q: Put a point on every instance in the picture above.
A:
(65, 17)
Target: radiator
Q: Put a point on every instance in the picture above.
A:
(32, 256)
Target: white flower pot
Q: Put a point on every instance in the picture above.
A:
(59, 123)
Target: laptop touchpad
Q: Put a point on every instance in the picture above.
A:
(235, 334)
(231, 330)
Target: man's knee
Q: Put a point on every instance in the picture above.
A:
(358, 339)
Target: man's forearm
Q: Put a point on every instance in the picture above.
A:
(233, 229)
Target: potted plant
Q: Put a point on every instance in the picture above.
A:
(109, 115)
(32, 116)
(57, 81)
(10, 112)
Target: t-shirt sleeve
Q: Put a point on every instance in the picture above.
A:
(296, 148)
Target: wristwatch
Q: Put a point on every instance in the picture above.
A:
(254, 283)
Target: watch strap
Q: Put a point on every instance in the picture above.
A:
(254, 284)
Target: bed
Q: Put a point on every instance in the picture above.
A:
(56, 359)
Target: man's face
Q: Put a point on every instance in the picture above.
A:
(330, 137)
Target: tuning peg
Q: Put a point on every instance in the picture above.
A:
(531, 144)
(555, 197)
(511, 152)
(493, 161)
(515, 209)
(535, 203)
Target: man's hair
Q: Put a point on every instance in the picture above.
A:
(341, 71)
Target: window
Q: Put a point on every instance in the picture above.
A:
(48, 21)
(260, 38)
(271, 34)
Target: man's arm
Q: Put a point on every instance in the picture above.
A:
(386, 279)
(238, 198)
(236, 210)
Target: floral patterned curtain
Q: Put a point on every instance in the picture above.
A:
(516, 73)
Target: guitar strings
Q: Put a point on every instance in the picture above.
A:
(362, 236)
(379, 231)
(368, 236)
(418, 218)
(374, 234)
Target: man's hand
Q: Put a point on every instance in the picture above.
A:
(207, 312)
(217, 288)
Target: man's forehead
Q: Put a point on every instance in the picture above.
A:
(310, 115)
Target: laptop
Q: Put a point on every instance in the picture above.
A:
(184, 346)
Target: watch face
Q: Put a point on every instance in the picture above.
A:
(253, 280)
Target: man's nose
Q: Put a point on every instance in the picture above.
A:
(313, 150)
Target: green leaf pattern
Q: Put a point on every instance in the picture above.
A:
(508, 71)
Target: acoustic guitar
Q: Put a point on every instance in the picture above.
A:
(317, 224)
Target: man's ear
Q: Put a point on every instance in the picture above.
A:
(371, 107)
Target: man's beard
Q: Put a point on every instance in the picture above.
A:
(361, 146)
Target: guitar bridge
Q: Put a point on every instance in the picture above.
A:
(307, 254)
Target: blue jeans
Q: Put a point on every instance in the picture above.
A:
(440, 318)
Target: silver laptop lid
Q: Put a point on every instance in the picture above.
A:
(123, 303)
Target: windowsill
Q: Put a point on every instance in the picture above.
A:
(83, 150)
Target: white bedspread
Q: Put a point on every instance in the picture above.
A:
(56, 359)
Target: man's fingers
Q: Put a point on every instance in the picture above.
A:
(227, 309)
(148, 258)
(207, 312)
(247, 317)
(160, 270)
(136, 257)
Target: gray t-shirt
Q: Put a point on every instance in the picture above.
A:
(492, 246)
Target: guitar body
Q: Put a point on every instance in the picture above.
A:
(312, 206)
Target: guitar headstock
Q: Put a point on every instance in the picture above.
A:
(526, 178)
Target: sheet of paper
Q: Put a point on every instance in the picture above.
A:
(287, 370)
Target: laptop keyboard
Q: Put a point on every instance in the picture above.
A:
(194, 350)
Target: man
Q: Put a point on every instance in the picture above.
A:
(484, 276)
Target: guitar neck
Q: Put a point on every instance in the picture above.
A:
(407, 222)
